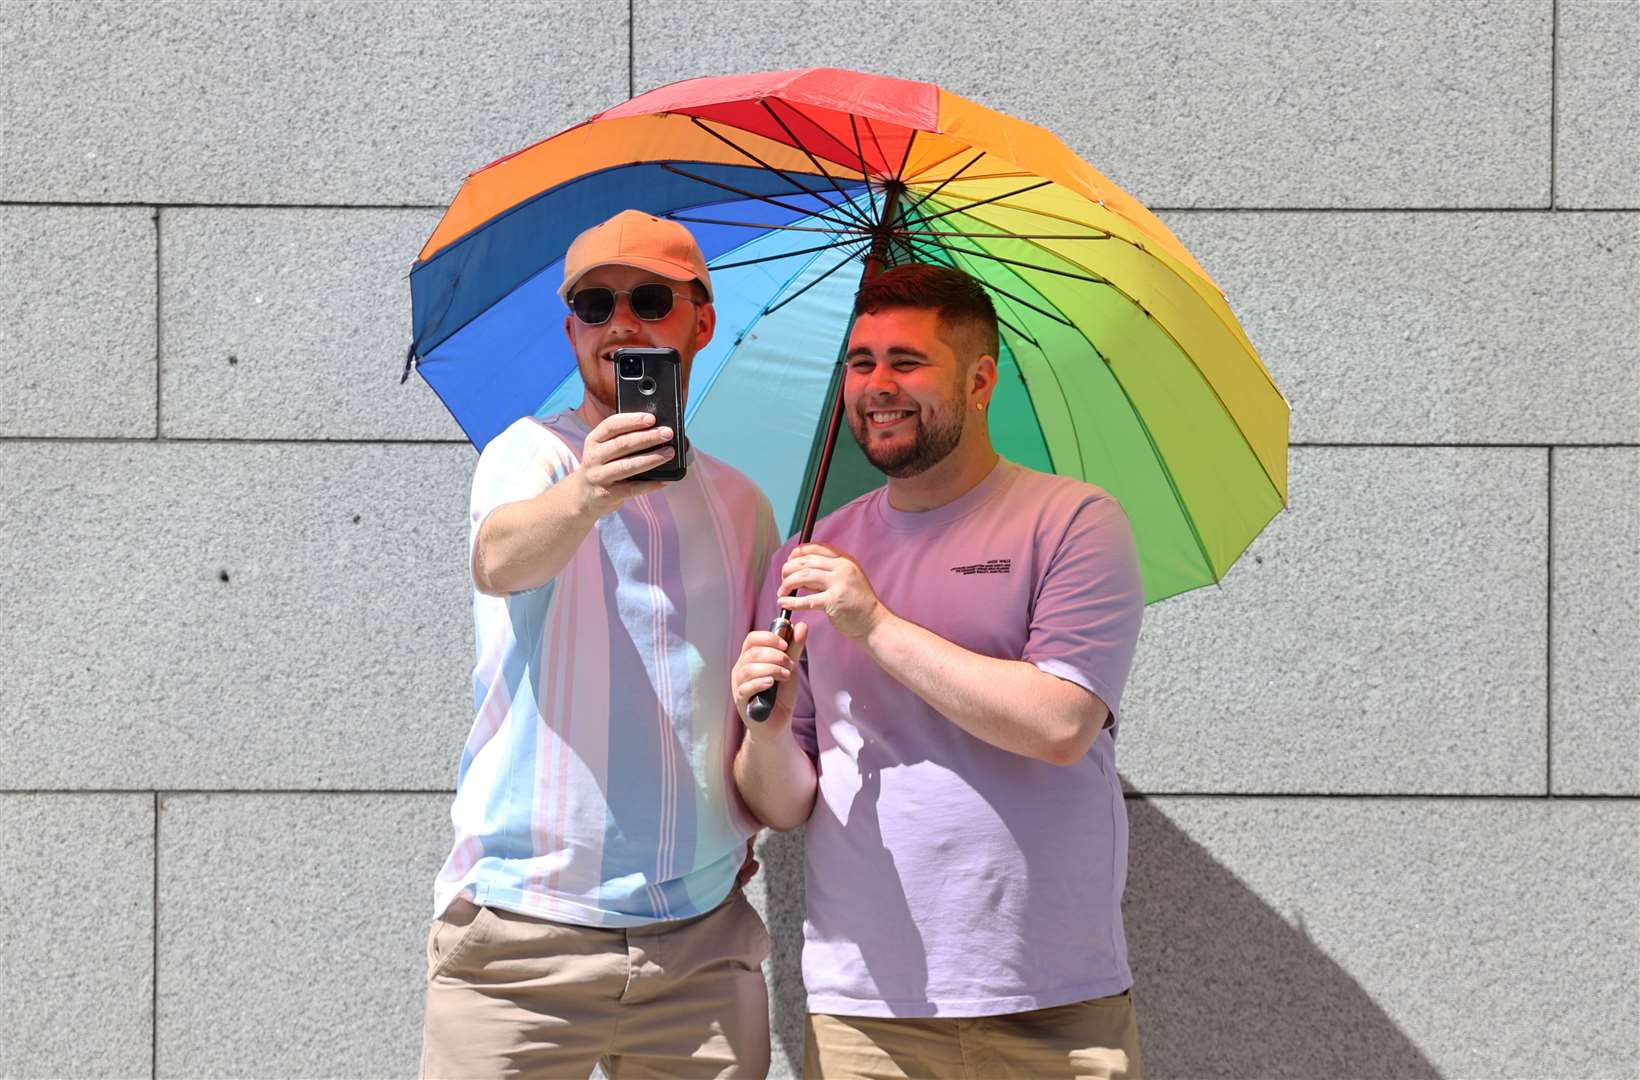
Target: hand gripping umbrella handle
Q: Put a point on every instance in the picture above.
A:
(759, 708)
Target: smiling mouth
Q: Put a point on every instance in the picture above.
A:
(885, 418)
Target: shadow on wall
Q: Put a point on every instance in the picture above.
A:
(1226, 986)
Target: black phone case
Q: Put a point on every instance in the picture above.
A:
(665, 403)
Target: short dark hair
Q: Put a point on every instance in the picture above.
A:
(963, 305)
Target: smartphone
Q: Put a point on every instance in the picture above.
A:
(651, 381)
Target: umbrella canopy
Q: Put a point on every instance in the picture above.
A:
(1121, 362)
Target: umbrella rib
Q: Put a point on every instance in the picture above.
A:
(852, 256)
(1016, 329)
(698, 122)
(932, 165)
(1044, 214)
(859, 152)
(906, 159)
(872, 131)
(992, 199)
(1018, 174)
(1032, 266)
(1054, 315)
(942, 183)
(698, 397)
(1015, 235)
(767, 107)
(817, 126)
(1156, 452)
(669, 167)
(1034, 343)
(783, 255)
(767, 226)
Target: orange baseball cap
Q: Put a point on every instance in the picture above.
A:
(634, 238)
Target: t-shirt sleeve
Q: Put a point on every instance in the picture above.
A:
(1090, 603)
(803, 711)
(518, 464)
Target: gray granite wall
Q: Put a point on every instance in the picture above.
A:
(1385, 781)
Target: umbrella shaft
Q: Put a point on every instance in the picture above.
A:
(759, 708)
(834, 424)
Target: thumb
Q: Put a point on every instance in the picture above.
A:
(800, 639)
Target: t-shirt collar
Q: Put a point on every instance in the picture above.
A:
(981, 493)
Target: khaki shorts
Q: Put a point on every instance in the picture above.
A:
(1097, 1038)
(510, 995)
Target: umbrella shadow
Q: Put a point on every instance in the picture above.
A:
(1229, 988)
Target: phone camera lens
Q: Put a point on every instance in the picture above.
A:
(646, 387)
(630, 367)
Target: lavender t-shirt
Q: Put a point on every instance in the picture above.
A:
(947, 877)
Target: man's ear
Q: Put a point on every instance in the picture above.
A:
(567, 333)
(983, 382)
(705, 324)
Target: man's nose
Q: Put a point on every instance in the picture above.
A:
(882, 382)
(622, 318)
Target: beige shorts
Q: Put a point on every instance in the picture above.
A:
(1097, 1038)
(510, 995)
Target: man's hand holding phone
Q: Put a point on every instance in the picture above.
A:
(619, 448)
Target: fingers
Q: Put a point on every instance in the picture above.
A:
(764, 672)
(815, 580)
(610, 473)
(765, 639)
(766, 660)
(623, 446)
(763, 663)
(748, 689)
(799, 559)
(817, 561)
(619, 424)
(763, 654)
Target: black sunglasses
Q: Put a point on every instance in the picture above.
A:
(650, 302)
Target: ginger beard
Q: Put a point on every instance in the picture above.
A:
(917, 443)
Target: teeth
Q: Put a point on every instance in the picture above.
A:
(889, 417)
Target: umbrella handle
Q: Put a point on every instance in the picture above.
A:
(759, 708)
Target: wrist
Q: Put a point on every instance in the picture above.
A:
(583, 501)
(770, 732)
(879, 627)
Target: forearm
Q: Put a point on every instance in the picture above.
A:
(776, 777)
(1010, 704)
(525, 544)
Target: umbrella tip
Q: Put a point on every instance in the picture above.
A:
(410, 360)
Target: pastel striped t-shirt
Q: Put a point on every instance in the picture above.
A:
(595, 785)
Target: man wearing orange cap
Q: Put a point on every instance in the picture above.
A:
(590, 909)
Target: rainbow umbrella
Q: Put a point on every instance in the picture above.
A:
(1121, 361)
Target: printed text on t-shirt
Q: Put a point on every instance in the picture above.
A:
(989, 566)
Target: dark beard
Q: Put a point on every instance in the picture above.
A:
(933, 443)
